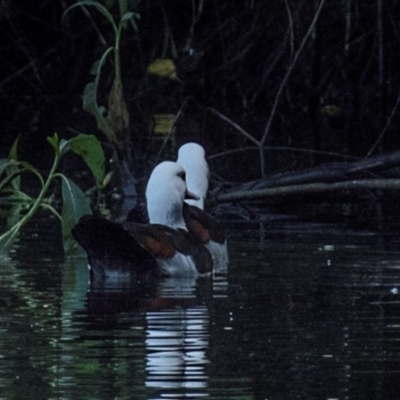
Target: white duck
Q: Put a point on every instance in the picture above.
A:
(164, 246)
(192, 157)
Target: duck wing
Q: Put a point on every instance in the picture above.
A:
(202, 225)
(152, 237)
(164, 242)
(110, 248)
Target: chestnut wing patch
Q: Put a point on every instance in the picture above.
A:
(110, 248)
(163, 242)
(153, 238)
(201, 225)
(196, 228)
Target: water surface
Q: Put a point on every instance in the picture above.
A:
(306, 311)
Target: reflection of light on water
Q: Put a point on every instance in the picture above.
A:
(220, 286)
(181, 288)
(177, 341)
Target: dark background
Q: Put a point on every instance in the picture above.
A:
(340, 96)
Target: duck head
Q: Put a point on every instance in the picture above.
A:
(165, 193)
(192, 158)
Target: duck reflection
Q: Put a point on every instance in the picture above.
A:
(171, 322)
(177, 340)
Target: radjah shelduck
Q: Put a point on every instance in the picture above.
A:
(164, 247)
(202, 225)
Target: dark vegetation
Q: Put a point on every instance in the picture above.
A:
(266, 87)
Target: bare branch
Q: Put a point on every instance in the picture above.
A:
(290, 29)
(289, 71)
(285, 149)
(310, 188)
(236, 126)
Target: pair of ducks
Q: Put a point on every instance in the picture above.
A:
(181, 239)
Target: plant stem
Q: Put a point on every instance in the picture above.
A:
(52, 209)
(39, 199)
(116, 54)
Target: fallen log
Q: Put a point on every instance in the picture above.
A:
(327, 173)
(308, 189)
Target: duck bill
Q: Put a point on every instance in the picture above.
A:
(191, 196)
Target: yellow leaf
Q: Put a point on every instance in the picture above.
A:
(331, 110)
(163, 123)
(163, 67)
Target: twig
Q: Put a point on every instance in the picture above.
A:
(260, 143)
(289, 71)
(385, 128)
(236, 126)
(167, 137)
(94, 26)
(348, 27)
(284, 149)
(290, 28)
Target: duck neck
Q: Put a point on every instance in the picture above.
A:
(171, 216)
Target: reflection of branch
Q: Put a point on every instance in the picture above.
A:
(309, 188)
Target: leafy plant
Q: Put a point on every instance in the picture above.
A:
(116, 118)
(75, 203)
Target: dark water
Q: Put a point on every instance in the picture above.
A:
(305, 312)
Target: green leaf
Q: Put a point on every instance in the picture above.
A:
(123, 8)
(15, 213)
(64, 146)
(4, 163)
(135, 27)
(7, 238)
(127, 16)
(109, 4)
(91, 151)
(90, 105)
(90, 100)
(13, 154)
(95, 4)
(75, 205)
(54, 141)
(118, 114)
(96, 67)
(13, 169)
